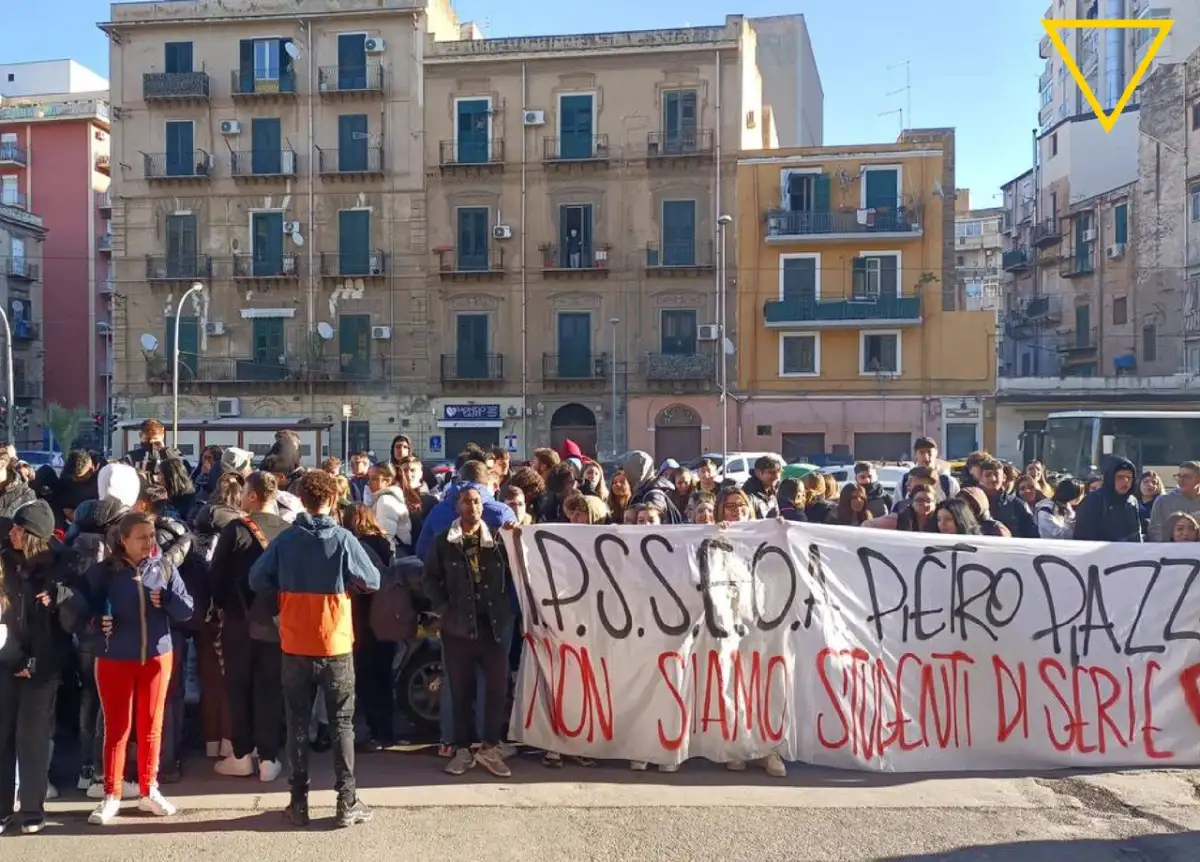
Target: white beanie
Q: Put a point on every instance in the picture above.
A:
(121, 482)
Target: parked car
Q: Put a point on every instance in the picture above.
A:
(740, 465)
(39, 458)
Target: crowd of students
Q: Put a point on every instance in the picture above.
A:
(111, 572)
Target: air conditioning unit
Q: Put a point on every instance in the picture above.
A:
(375, 263)
(1089, 235)
(381, 333)
(535, 118)
(230, 127)
(214, 327)
(502, 231)
(229, 408)
(1116, 251)
(374, 45)
(708, 332)
(291, 227)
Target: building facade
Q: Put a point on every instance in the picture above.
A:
(854, 336)
(22, 236)
(575, 185)
(276, 161)
(54, 160)
(978, 249)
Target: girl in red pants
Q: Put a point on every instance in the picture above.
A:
(136, 594)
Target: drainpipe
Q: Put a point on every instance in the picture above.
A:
(306, 24)
(1114, 56)
(524, 272)
(719, 249)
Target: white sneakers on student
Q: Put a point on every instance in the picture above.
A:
(157, 804)
(235, 767)
(106, 811)
(269, 770)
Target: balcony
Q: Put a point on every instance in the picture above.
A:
(263, 165)
(575, 367)
(1079, 343)
(175, 87)
(350, 164)
(103, 163)
(574, 261)
(107, 286)
(857, 311)
(683, 147)
(104, 204)
(680, 367)
(1045, 48)
(177, 167)
(679, 258)
(11, 154)
(1078, 265)
(248, 369)
(27, 390)
(282, 268)
(471, 154)
(19, 269)
(1046, 234)
(457, 265)
(575, 150)
(1047, 308)
(334, 81)
(466, 368)
(169, 268)
(373, 264)
(1017, 259)
(14, 198)
(786, 226)
(104, 243)
(347, 369)
(25, 331)
(246, 85)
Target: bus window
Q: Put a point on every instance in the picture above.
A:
(1067, 445)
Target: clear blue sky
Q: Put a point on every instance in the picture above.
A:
(974, 65)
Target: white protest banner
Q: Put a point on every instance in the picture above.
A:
(855, 648)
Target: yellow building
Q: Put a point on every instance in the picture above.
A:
(852, 341)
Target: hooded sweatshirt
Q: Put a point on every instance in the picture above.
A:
(121, 482)
(1107, 516)
(649, 487)
(391, 511)
(441, 516)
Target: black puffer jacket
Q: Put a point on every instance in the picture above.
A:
(93, 520)
(1106, 516)
(37, 631)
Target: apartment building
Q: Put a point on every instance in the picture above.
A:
(22, 237)
(274, 159)
(54, 160)
(978, 248)
(854, 337)
(575, 186)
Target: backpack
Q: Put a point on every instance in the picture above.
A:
(195, 572)
(260, 630)
(392, 612)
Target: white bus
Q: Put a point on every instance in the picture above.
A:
(1084, 441)
(255, 435)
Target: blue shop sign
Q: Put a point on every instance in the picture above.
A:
(469, 412)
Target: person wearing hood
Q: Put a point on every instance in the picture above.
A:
(879, 501)
(15, 492)
(977, 501)
(1055, 518)
(1111, 513)
(37, 607)
(1185, 498)
(571, 452)
(473, 474)
(312, 568)
(402, 448)
(762, 488)
(76, 485)
(1005, 506)
(649, 487)
(386, 500)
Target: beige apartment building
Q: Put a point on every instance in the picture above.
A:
(274, 158)
(574, 194)
(978, 247)
(22, 235)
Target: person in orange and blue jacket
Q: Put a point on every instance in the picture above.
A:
(311, 569)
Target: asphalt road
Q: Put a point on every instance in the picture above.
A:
(612, 814)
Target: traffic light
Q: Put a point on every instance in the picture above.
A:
(112, 423)
(98, 423)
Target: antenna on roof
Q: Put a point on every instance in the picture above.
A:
(906, 89)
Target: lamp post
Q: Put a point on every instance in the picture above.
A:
(11, 406)
(196, 287)
(723, 221)
(613, 364)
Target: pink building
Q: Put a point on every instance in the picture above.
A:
(54, 160)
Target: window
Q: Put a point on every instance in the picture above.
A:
(805, 192)
(800, 279)
(178, 58)
(1083, 326)
(472, 238)
(1120, 311)
(879, 353)
(354, 242)
(576, 125)
(16, 247)
(1053, 206)
(264, 66)
(969, 228)
(1121, 223)
(471, 346)
(958, 260)
(1195, 203)
(876, 275)
(266, 243)
(9, 193)
(354, 345)
(353, 139)
(679, 332)
(881, 191)
(352, 61)
(575, 236)
(189, 345)
(269, 347)
(1054, 144)
(574, 344)
(182, 260)
(1047, 94)
(1149, 343)
(679, 121)
(802, 446)
(181, 150)
(679, 233)
(266, 140)
(1195, 116)
(799, 355)
(473, 131)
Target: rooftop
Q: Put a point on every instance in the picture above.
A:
(210, 11)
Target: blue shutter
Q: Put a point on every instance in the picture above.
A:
(266, 137)
(679, 233)
(882, 193)
(352, 61)
(354, 345)
(181, 150)
(574, 344)
(178, 58)
(821, 190)
(679, 121)
(1083, 325)
(352, 142)
(269, 360)
(471, 353)
(575, 130)
(471, 126)
(679, 332)
(354, 242)
(246, 66)
(267, 235)
(189, 345)
(1121, 221)
(472, 238)
(182, 259)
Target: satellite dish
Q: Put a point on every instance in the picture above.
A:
(149, 342)
(297, 238)
(324, 330)
(291, 50)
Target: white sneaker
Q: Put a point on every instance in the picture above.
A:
(639, 765)
(269, 770)
(105, 812)
(774, 766)
(234, 767)
(51, 792)
(226, 749)
(736, 765)
(129, 790)
(157, 804)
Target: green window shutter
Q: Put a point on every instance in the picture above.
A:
(821, 193)
(1121, 223)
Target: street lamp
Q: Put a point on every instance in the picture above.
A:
(613, 363)
(196, 287)
(8, 374)
(723, 221)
